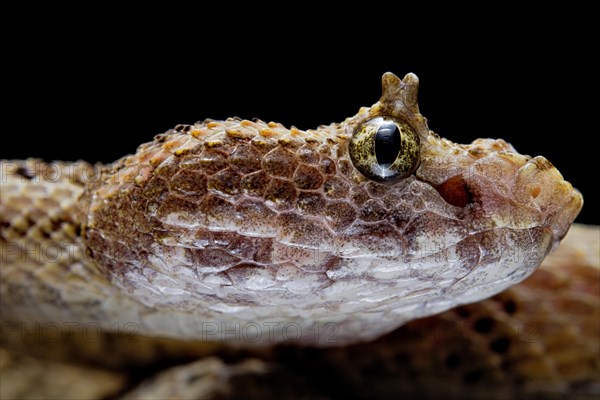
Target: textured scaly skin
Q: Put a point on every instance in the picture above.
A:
(251, 228)
(260, 227)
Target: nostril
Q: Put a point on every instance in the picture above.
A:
(535, 191)
(455, 191)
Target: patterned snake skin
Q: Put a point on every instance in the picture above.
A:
(254, 234)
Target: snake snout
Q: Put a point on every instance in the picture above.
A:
(539, 185)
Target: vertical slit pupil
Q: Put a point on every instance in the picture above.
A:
(387, 144)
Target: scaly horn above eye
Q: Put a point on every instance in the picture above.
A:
(394, 89)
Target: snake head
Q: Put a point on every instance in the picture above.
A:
(366, 224)
(482, 207)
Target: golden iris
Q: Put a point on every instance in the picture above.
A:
(385, 149)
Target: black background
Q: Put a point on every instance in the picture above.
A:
(84, 94)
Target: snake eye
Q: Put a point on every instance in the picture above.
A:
(384, 149)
